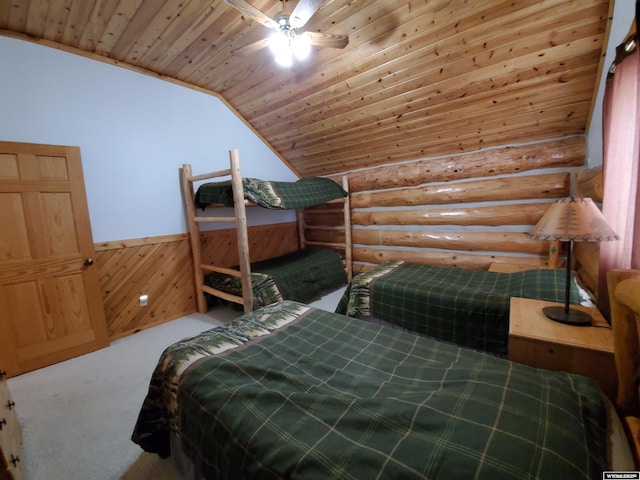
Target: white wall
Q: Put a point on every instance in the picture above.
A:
(134, 132)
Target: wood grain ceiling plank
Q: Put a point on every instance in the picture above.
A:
(182, 32)
(78, 20)
(458, 107)
(422, 87)
(116, 26)
(325, 72)
(99, 18)
(268, 78)
(367, 159)
(153, 29)
(6, 9)
(417, 70)
(428, 124)
(558, 119)
(230, 30)
(209, 51)
(384, 97)
(36, 17)
(136, 28)
(419, 134)
(429, 106)
(56, 20)
(401, 42)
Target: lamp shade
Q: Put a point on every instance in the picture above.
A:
(573, 219)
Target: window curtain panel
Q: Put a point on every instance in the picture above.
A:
(621, 139)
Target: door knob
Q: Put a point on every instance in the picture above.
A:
(88, 262)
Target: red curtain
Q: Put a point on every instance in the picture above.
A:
(621, 201)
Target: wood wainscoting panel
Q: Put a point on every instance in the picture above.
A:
(220, 247)
(159, 267)
(162, 268)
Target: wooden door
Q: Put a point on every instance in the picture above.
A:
(51, 307)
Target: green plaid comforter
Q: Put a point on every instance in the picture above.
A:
(466, 307)
(289, 391)
(303, 193)
(300, 276)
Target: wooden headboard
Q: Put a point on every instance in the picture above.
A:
(624, 296)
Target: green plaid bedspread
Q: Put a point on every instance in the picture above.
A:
(300, 276)
(466, 307)
(303, 193)
(289, 391)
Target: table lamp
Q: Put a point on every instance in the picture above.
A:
(572, 220)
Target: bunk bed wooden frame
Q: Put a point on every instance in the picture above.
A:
(240, 220)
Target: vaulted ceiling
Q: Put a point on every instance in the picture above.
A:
(418, 79)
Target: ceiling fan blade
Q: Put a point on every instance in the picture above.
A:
(250, 11)
(328, 39)
(303, 12)
(247, 49)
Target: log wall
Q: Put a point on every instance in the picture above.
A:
(467, 210)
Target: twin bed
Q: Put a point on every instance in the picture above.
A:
(466, 307)
(292, 391)
(288, 390)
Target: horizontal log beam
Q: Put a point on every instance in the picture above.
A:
(450, 259)
(515, 214)
(564, 153)
(517, 242)
(551, 185)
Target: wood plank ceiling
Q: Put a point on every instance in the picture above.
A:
(418, 79)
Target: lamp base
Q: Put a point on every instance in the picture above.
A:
(573, 317)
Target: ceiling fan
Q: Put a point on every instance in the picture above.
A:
(287, 42)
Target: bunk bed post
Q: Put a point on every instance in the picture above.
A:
(347, 228)
(243, 236)
(194, 235)
(300, 222)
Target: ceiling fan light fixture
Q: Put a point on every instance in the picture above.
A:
(286, 44)
(284, 58)
(301, 46)
(278, 42)
(279, 45)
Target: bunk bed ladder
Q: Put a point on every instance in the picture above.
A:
(239, 218)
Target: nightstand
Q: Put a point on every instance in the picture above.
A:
(540, 342)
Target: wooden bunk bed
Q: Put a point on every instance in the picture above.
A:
(239, 201)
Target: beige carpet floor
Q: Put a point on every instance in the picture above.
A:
(77, 416)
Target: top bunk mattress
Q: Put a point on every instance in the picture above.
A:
(302, 193)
